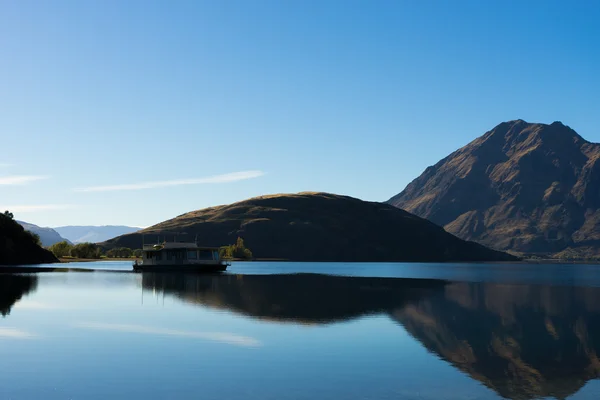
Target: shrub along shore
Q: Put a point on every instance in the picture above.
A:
(67, 252)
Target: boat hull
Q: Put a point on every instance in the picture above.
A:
(193, 268)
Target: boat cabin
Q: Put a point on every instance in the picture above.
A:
(179, 254)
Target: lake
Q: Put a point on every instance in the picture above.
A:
(350, 331)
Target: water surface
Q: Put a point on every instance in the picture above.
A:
(494, 331)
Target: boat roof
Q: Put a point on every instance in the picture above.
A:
(176, 245)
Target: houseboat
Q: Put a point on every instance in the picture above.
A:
(180, 257)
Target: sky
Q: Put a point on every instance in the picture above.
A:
(134, 112)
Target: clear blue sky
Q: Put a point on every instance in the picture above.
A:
(349, 97)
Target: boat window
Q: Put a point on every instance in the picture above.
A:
(169, 255)
(158, 256)
(192, 254)
(215, 254)
(205, 255)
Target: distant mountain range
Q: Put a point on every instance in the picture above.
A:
(521, 187)
(48, 236)
(316, 227)
(93, 234)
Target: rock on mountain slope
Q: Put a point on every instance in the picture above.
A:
(317, 227)
(529, 188)
(93, 234)
(48, 236)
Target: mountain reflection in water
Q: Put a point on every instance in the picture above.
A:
(12, 288)
(522, 341)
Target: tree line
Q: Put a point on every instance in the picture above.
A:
(93, 251)
(12, 231)
(64, 249)
(90, 250)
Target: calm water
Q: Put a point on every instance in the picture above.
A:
(495, 331)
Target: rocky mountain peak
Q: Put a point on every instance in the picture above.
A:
(526, 187)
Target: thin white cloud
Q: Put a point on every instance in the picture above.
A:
(5, 165)
(12, 333)
(224, 178)
(223, 337)
(20, 179)
(20, 208)
(35, 305)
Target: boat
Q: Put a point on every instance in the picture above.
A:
(179, 257)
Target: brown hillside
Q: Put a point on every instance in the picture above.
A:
(316, 227)
(531, 188)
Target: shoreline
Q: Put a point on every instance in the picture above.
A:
(522, 261)
(67, 260)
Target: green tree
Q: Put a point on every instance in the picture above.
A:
(86, 250)
(119, 252)
(138, 253)
(34, 237)
(237, 250)
(8, 214)
(61, 249)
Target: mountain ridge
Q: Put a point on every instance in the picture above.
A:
(48, 236)
(93, 233)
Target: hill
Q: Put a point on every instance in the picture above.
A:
(523, 187)
(316, 227)
(18, 246)
(48, 236)
(93, 234)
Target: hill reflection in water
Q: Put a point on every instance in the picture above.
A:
(12, 288)
(522, 341)
(305, 298)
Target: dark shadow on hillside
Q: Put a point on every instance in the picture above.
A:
(12, 288)
(522, 341)
(305, 298)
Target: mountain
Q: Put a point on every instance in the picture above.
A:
(93, 234)
(18, 246)
(523, 187)
(48, 236)
(316, 227)
(524, 342)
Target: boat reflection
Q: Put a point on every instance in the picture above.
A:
(305, 298)
(12, 288)
(522, 341)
